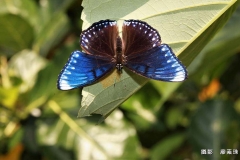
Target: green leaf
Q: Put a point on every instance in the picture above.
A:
(55, 25)
(140, 109)
(16, 138)
(26, 9)
(16, 34)
(186, 27)
(55, 6)
(217, 53)
(165, 148)
(45, 84)
(173, 117)
(165, 89)
(25, 65)
(51, 33)
(56, 152)
(116, 93)
(87, 138)
(30, 10)
(8, 96)
(208, 126)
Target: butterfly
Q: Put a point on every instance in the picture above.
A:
(140, 50)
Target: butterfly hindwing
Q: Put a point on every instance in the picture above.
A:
(82, 69)
(159, 63)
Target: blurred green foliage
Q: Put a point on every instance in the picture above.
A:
(160, 121)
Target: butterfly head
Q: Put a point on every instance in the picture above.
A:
(119, 67)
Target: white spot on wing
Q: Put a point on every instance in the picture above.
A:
(179, 76)
(127, 23)
(76, 55)
(67, 72)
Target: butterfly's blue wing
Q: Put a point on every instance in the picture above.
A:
(158, 63)
(83, 69)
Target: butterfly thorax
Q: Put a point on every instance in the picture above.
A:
(119, 65)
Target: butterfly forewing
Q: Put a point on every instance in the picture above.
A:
(158, 63)
(100, 39)
(138, 37)
(81, 70)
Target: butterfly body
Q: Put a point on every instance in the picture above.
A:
(119, 56)
(139, 50)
